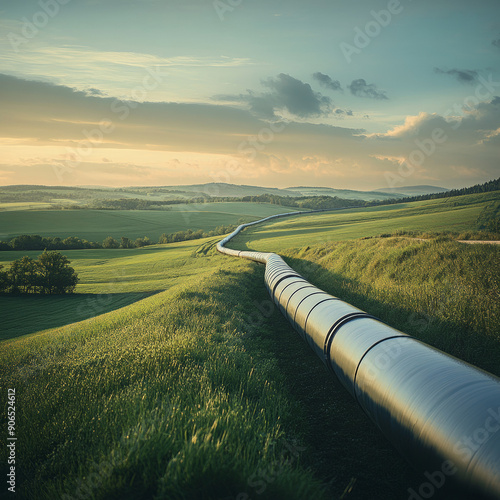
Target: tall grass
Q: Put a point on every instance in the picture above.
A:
(168, 398)
(456, 215)
(443, 292)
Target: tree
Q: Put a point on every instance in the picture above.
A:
(27, 242)
(23, 275)
(4, 280)
(142, 242)
(110, 242)
(72, 243)
(126, 242)
(55, 274)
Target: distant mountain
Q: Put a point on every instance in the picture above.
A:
(412, 190)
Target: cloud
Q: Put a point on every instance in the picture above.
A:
(285, 94)
(360, 88)
(43, 123)
(94, 91)
(436, 149)
(76, 56)
(326, 81)
(462, 75)
(341, 112)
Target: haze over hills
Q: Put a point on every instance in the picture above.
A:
(412, 190)
(77, 194)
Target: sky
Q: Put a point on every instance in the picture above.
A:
(358, 94)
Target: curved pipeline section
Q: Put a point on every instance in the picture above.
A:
(440, 413)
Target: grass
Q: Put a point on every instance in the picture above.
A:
(456, 214)
(442, 292)
(95, 225)
(170, 397)
(24, 205)
(109, 279)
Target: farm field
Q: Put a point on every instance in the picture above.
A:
(109, 279)
(198, 383)
(95, 225)
(455, 214)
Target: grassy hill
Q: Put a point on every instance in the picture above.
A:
(412, 190)
(109, 280)
(200, 389)
(95, 225)
(457, 214)
(37, 197)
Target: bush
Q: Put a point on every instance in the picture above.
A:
(110, 242)
(50, 274)
(142, 242)
(56, 276)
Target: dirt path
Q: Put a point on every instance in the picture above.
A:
(471, 242)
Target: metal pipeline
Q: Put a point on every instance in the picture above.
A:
(442, 414)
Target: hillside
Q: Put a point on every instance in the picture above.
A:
(95, 225)
(39, 197)
(412, 190)
(458, 214)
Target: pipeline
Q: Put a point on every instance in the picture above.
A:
(441, 413)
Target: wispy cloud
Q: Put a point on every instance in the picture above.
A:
(72, 56)
(326, 81)
(360, 88)
(462, 75)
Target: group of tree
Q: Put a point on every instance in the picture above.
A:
(37, 242)
(189, 234)
(485, 187)
(49, 274)
(126, 204)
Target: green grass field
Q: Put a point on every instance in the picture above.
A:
(457, 214)
(189, 384)
(95, 225)
(109, 279)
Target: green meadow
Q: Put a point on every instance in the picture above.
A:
(95, 225)
(188, 383)
(456, 215)
(109, 279)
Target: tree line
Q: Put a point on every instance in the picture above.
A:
(37, 242)
(485, 187)
(49, 274)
